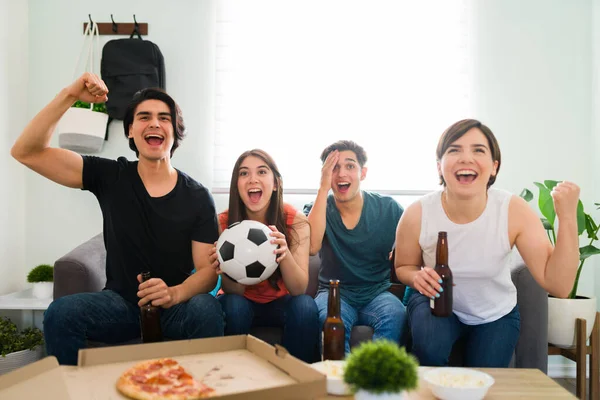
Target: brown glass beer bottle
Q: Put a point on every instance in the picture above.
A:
(150, 319)
(334, 334)
(442, 306)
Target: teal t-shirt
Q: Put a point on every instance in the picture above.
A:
(359, 257)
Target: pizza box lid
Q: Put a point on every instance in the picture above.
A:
(42, 379)
(237, 367)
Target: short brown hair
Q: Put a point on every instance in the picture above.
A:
(343, 145)
(456, 131)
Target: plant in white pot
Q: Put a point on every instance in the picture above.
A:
(18, 348)
(83, 127)
(562, 313)
(42, 278)
(380, 370)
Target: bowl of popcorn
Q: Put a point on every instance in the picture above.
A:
(458, 383)
(334, 370)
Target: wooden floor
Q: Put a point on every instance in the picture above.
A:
(570, 384)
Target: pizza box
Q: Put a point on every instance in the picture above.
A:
(237, 367)
(42, 379)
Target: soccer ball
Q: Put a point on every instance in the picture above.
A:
(245, 252)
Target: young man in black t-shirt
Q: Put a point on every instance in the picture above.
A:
(156, 219)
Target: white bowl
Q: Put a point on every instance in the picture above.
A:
(458, 383)
(334, 370)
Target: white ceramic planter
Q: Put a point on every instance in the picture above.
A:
(19, 359)
(82, 130)
(42, 290)
(562, 314)
(365, 395)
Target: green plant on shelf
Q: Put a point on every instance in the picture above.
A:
(41, 273)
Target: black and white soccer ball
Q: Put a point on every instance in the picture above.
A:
(246, 253)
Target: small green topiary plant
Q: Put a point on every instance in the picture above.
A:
(12, 341)
(381, 367)
(41, 273)
(98, 107)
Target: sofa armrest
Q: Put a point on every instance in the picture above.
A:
(83, 269)
(532, 347)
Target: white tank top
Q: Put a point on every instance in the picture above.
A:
(479, 255)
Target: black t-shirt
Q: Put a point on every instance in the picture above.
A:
(143, 233)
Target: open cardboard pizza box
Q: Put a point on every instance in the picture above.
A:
(237, 367)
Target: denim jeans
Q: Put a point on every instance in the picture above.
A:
(385, 314)
(488, 345)
(297, 315)
(107, 317)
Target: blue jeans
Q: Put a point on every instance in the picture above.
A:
(297, 315)
(488, 345)
(107, 317)
(385, 314)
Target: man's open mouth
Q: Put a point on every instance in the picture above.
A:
(343, 187)
(154, 140)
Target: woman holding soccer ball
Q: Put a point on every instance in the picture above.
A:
(256, 193)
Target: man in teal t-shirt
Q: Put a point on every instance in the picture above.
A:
(353, 231)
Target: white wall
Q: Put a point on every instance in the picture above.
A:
(532, 69)
(58, 218)
(595, 131)
(533, 80)
(13, 116)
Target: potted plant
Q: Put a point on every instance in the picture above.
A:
(380, 370)
(18, 348)
(42, 278)
(83, 127)
(562, 313)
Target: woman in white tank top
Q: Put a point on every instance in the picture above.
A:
(482, 225)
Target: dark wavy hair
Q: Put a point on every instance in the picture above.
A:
(342, 145)
(155, 94)
(275, 214)
(456, 131)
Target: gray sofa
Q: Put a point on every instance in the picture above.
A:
(83, 270)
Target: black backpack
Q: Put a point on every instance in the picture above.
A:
(129, 65)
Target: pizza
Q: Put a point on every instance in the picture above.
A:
(161, 379)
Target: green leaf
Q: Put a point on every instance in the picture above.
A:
(588, 251)
(545, 203)
(580, 218)
(526, 195)
(597, 204)
(546, 224)
(591, 227)
(550, 184)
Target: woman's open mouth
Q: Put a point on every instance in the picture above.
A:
(466, 176)
(254, 195)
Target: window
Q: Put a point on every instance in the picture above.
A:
(295, 76)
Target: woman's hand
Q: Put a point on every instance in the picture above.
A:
(213, 257)
(427, 282)
(279, 239)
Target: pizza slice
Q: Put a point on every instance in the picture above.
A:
(162, 379)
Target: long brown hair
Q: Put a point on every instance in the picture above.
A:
(275, 214)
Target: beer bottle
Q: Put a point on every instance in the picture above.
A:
(442, 306)
(334, 334)
(150, 319)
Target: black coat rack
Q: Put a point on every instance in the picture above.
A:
(119, 28)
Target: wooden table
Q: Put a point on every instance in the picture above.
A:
(511, 383)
